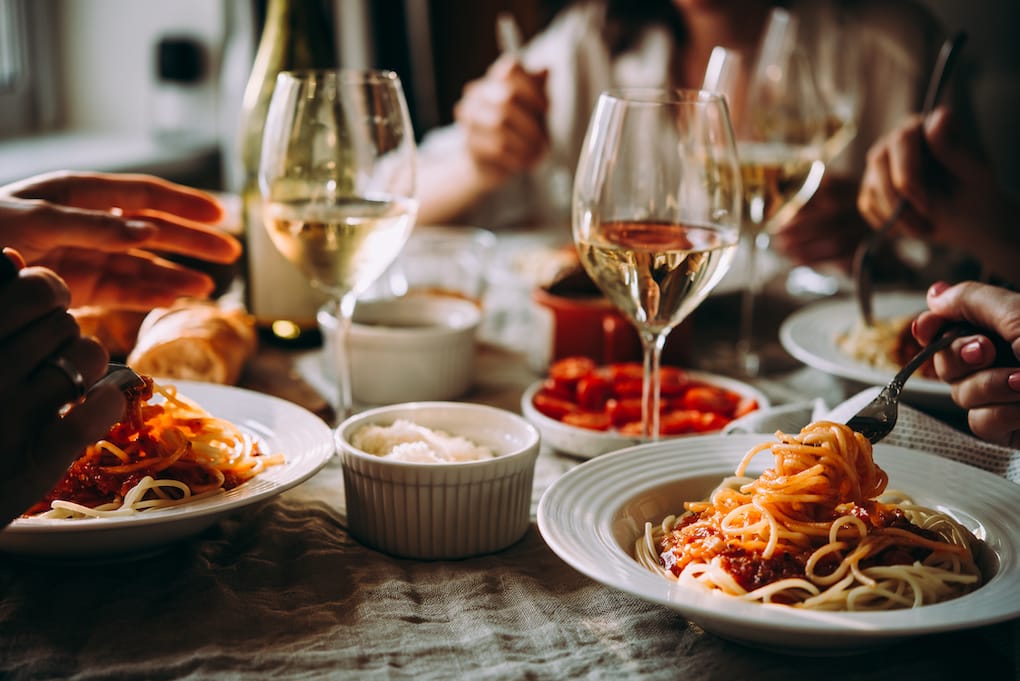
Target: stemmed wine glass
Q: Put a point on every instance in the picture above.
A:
(337, 178)
(780, 120)
(656, 211)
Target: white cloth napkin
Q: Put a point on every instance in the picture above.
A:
(914, 429)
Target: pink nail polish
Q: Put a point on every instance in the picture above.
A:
(1014, 382)
(937, 289)
(971, 353)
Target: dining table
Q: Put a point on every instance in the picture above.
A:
(280, 589)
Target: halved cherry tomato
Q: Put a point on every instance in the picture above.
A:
(593, 391)
(568, 371)
(588, 419)
(745, 406)
(710, 398)
(552, 405)
(624, 410)
(673, 381)
(553, 388)
(677, 422)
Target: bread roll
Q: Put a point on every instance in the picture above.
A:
(117, 330)
(195, 341)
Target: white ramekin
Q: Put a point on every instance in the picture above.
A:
(441, 510)
(409, 349)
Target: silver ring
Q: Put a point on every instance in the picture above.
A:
(74, 375)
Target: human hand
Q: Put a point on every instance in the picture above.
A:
(503, 116)
(826, 229)
(952, 197)
(98, 231)
(37, 440)
(983, 370)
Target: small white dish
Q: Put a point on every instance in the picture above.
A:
(280, 426)
(415, 348)
(441, 511)
(592, 515)
(586, 443)
(810, 336)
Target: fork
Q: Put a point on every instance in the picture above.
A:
(877, 418)
(865, 253)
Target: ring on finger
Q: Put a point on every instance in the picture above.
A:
(73, 374)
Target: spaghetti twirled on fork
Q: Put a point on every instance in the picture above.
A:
(814, 531)
(161, 454)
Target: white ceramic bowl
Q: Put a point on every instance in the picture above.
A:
(409, 349)
(441, 510)
(587, 444)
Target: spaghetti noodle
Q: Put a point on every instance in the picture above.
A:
(161, 454)
(814, 532)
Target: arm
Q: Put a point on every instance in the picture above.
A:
(499, 132)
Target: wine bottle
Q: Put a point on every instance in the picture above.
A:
(297, 35)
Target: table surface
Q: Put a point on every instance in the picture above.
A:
(280, 590)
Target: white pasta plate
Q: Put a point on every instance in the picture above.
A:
(280, 426)
(810, 336)
(586, 443)
(592, 515)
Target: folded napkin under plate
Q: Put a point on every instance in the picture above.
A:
(914, 429)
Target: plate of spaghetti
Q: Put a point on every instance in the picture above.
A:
(810, 543)
(185, 455)
(828, 336)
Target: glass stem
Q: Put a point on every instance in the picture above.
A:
(746, 351)
(345, 313)
(651, 344)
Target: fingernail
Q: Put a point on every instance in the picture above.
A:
(1014, 382)
(142, 229)
(937, 289)
(971, 353)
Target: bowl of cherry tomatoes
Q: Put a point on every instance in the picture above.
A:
(586, 409)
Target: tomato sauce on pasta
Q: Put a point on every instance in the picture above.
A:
(162, 453)
(818, 530)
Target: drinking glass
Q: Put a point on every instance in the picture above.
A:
(656, 211)
(337, 179)
(780, 118)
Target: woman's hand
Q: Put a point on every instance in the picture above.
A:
(983, 370)
(99, 232)
(950, 191)
(47, 365)
(828, 227)
(503, 116)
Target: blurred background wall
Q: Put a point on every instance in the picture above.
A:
(155, 86)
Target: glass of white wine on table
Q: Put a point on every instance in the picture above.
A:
(338, 185)
(656, 211)
(781, 122)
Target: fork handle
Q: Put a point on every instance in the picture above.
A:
(947, 335)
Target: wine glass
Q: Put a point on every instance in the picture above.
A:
(337, 179)
(780, 118)
(656, 211)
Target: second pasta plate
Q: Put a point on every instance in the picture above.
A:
(592, 516)
(302, 437)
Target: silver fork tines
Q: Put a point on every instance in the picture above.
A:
(878, 417)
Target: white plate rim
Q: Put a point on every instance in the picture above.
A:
(576, 516)
(597, 443)
(809, 335)
(280, 424)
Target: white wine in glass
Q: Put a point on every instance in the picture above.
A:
(656, 211)
(781, 123)
(337, 179)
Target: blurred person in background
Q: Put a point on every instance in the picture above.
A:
(508, 159)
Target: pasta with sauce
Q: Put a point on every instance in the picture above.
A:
(814, 531)
(161, 454)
